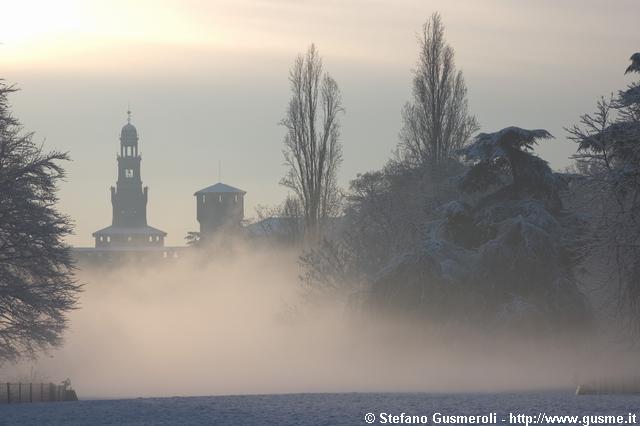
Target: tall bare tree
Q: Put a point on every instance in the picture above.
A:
(37, 287)
(436, 122)
(312, 150)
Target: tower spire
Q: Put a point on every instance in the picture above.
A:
(128, 113)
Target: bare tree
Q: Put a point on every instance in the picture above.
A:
(312, 150)
(37, 287)
(609, 156)
(436, 122)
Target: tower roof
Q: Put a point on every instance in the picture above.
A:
(219, 188)
(128, 132)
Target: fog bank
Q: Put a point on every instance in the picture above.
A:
(239, 324)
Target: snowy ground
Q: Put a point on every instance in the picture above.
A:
(306, 409)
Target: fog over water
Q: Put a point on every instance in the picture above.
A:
(240, 324)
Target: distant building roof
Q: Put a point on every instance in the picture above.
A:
(120, 230)
(274, 225)
(122, 249)
(220, 188)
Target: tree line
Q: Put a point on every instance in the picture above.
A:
(460, 226)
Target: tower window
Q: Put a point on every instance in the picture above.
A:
(128, 173)
(220, 198)
(204, 200)
(236, 198)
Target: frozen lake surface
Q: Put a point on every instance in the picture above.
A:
(311, 409)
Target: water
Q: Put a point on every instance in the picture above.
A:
(313, 409)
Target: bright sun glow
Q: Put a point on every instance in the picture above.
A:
(38, 20)
(42, 31)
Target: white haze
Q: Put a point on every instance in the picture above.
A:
(239, 325)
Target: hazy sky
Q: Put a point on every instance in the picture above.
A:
(207, 83)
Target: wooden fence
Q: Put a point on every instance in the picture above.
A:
(11, 393)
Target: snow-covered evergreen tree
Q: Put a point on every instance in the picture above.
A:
(499, 255)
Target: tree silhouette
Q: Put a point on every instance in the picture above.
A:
(37, 286)
(436, 122)
(312, 149)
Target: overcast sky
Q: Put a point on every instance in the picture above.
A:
(207, 83)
